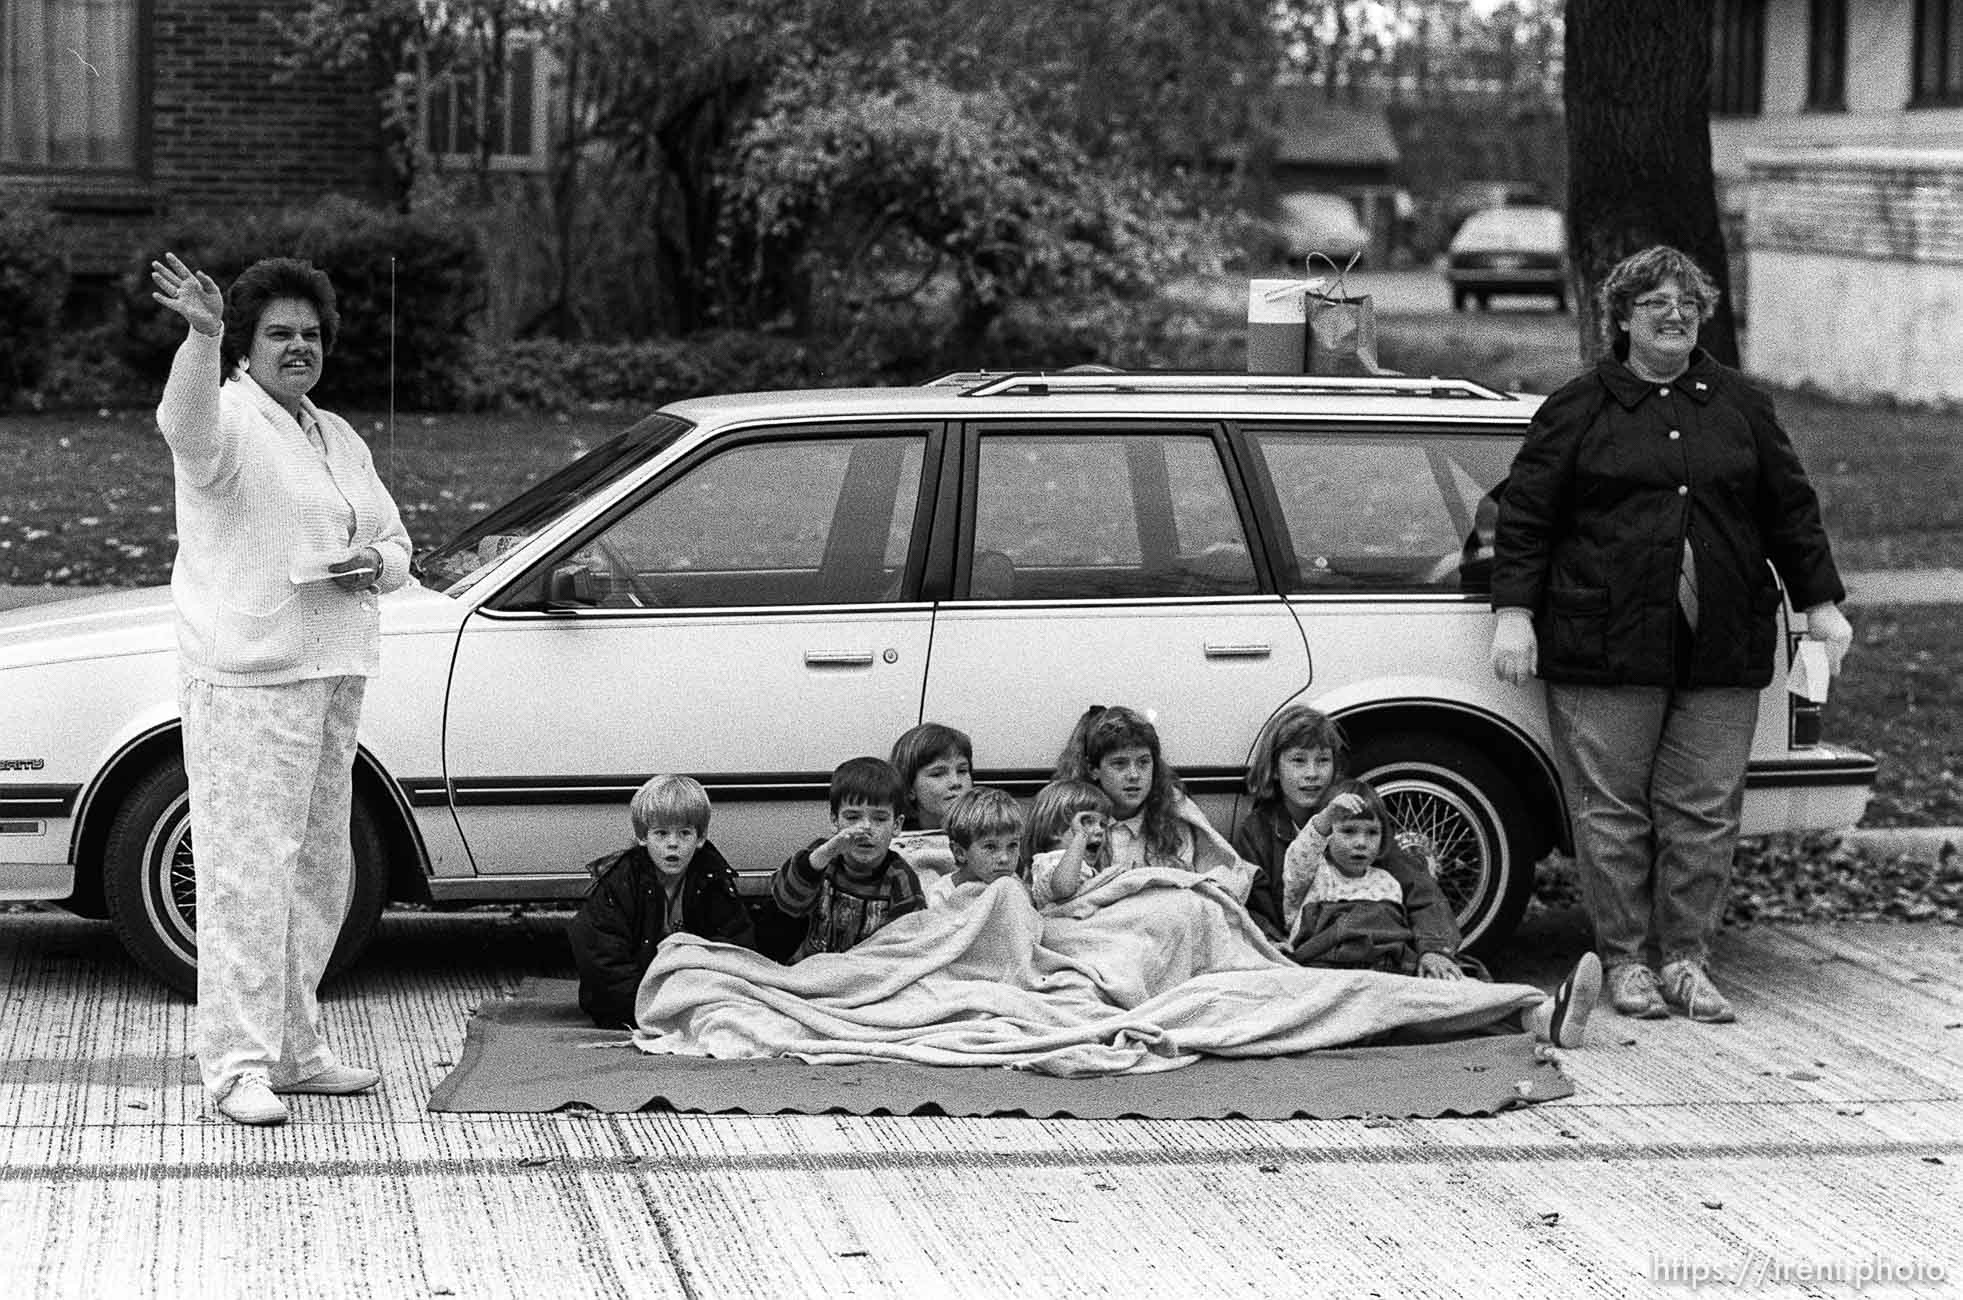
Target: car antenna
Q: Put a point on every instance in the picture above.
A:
(391, 367)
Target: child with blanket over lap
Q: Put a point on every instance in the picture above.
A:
(1346, 910)
(851, 883)
(671, 881)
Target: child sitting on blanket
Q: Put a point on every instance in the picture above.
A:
(1064, 847)
(936, 767)
(984, 828)
(1153, 823)
(1298, 756)
(673, 880)
(851, 883)
(1346, 910)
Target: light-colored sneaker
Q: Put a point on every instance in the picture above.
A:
(1632, 991)
(250, 1101)
(1687, 988)
(335, 1081)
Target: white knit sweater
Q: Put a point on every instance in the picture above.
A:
(257, 505)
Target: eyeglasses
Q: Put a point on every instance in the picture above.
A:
(1661, 305)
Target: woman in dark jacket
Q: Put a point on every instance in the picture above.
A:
(1630, 573)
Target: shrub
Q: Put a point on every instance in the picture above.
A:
(550, 375)
(33, 283)
(438, 284)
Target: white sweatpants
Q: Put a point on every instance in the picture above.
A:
(271, 772)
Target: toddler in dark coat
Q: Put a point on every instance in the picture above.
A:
(671, 881)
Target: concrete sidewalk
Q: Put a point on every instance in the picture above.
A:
(1821, 1131)
(1869, 587)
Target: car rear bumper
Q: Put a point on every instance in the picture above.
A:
(1516, 281)
(1824, 789)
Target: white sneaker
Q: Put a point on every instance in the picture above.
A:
(335, 1081)
(250, 1101)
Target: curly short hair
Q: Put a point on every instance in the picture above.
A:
(1636, 275)
(264, 282)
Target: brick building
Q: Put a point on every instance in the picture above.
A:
(120, 115)
(1837, 139)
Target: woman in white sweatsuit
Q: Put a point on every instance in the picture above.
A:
(285, 539)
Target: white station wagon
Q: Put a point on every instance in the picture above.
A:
(751, 589)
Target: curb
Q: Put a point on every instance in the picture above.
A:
(1933, 844)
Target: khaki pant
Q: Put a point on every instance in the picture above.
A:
(271, 773)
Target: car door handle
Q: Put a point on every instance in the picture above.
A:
(1237, 649)
(837, 658)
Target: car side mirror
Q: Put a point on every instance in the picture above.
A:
(571, 586)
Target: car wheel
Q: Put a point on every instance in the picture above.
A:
(149, 884)
(1485, 303)
(1461, 812)
(1458, 300)
(1560, 300)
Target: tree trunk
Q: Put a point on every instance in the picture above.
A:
(1639, 149)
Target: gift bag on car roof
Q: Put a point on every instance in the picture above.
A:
(1342, 326)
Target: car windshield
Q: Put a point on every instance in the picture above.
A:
(1522, 229)
(452, 567)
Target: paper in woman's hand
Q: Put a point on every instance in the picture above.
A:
(317, 566)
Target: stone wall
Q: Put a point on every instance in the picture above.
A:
(1856, 266)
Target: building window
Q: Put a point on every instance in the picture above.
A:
(69, 85)
(458, 117)
(1938, 52)
(1826, 55)
(1738, 57)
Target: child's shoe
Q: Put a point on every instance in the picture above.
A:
(1687, 988)
(1563, 1019)
(1632, 991)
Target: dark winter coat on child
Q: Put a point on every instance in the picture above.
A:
(1263, 838)
(625, 918)
(844, 910)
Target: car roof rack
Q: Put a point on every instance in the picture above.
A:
(1038, 383)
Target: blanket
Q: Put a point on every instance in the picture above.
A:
(1146, 970)
(536, 1051)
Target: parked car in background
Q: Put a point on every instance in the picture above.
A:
(1517, 250)
(750, 589)
(1322, 223)
(1468, 197)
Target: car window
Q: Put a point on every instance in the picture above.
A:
(1073, 515)
(1385, 512)
(783, 521)
(452, 567)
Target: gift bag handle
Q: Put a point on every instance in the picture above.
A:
(1342, 272)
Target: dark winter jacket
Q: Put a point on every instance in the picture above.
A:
(1263, 837)
(624, 919)
(1615, 473)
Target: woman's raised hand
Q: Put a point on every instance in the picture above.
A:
(193, 295)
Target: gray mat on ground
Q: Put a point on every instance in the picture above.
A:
(538, 1052)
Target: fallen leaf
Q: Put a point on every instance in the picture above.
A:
(139, 1105)
(1850, 1110)
(1804, 1076)
(1712, 1205)
(1550, 1217)
(1103, 1187)
(1269, 1169)
(535, 1162)
(1568, 1133)
(1932, 1160)
(853, 1254)
(1378, 1121)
